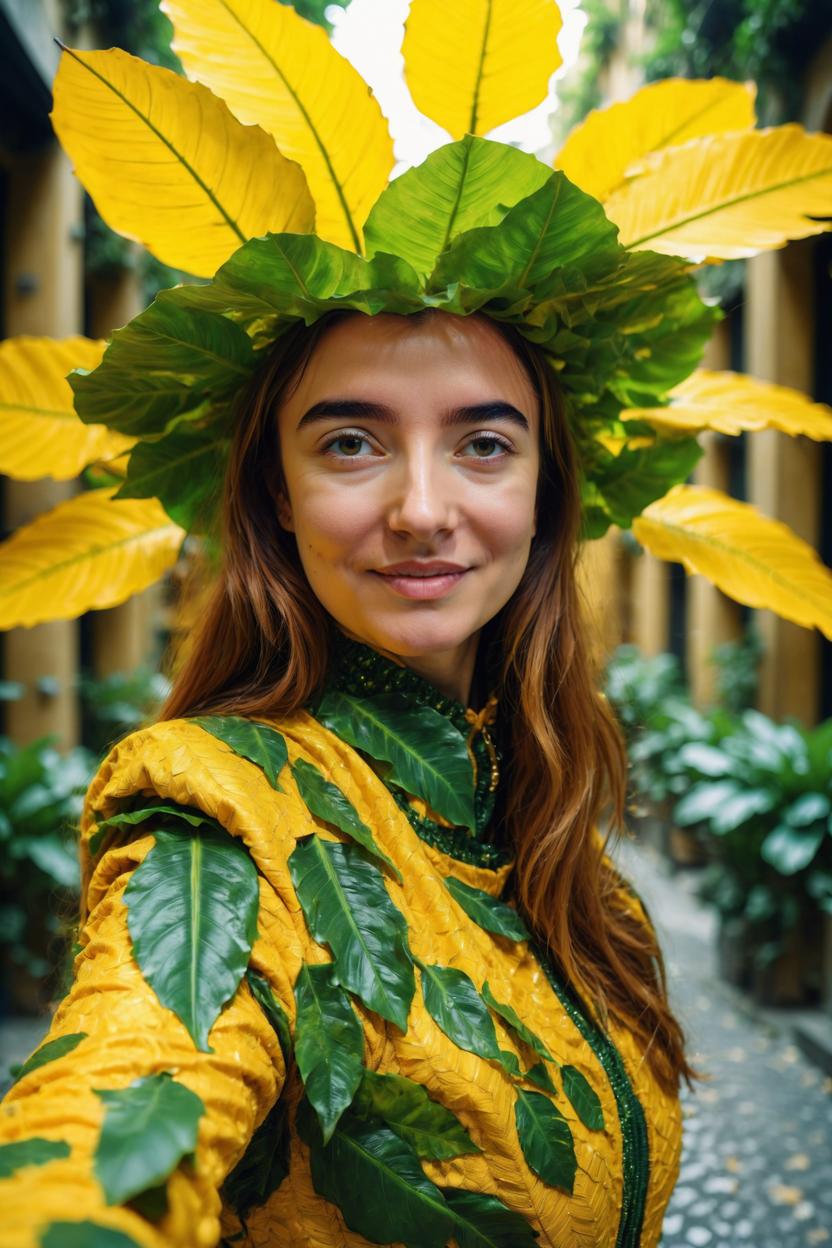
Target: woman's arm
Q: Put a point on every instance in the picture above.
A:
(99, 1136)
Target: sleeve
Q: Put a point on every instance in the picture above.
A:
(127, 1034)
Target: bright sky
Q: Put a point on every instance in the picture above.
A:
(369, 33)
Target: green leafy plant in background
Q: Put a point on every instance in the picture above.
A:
(114, 705)
(41, 792)
(763, 798)
(737, 666)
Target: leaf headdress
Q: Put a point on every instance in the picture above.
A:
(267, 172)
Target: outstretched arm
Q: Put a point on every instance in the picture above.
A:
(82, 1142)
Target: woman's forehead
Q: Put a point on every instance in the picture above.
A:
(439, 351)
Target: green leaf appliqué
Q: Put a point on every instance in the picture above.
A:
(50, 1052)
(539, 1075)
(148, 1128)
(326, 800)
(84, 1235)
(482, 1221)
(375, 1179)
(348, 908)
(263, 1166)
(257, 742)
(192, 915)
(433, 1131)
(457, 1009)
(510, 1016)
(162, 812)
(486, 911)
(329, 1044)
(583, 1098)
(546, 1139)
(428, 755)
(274, 1011)
(35, 1151)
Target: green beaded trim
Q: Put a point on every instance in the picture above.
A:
(357, 669)
(635, 1161)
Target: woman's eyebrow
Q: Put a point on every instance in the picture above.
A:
(357, 409)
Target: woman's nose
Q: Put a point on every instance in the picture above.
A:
(421, 500)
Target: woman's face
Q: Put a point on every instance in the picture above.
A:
(410, 458)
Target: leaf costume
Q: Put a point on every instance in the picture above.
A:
(303, 1012)
(365, 1048)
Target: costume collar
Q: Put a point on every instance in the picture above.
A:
(359, 669)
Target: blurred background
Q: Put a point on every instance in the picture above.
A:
(727, 710)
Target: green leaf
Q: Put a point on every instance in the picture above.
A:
(482, 1221)
(700, 803)
(539, 1075)
(508, 1015)
(329, 1044)
(148, 1128)
(808, 808)
(631, 480)
(374, 1178)
(489, 913)
(545, 1139)
(257, 742)
(161, 811)
(32, 1152)
(510, 1062)
(192, 909)
(470, 183)
(84, 1235)
(50, 1052)
(428, 755)
(458, 1010)
(790, 849)
(327, 802)
(184, 470)
(263, 1166)
(274, 1011)
(558, 226)
(160, 365)
(583, 1098)
(347, 907)
(433, 1131)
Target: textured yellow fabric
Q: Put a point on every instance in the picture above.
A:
(130, 1034)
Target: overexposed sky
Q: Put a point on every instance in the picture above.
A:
(369, 33)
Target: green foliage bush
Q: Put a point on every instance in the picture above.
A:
(757, 793)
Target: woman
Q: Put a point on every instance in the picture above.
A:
(365, 974)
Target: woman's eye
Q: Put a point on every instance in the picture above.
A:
(346, 445)
(488, 446)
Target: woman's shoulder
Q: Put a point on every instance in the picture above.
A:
(234, 771)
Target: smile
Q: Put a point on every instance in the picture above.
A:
(421, 585)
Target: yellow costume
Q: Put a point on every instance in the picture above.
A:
(625, 1162)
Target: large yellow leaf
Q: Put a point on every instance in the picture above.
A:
(754, 560)
(86, 553)
(731, 402)
(611, 142)
(168, 165)
(41, 435)
(273, 68)
(474, 64)
(728, 195)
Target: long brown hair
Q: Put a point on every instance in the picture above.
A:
(260, 649)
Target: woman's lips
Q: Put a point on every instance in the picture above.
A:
(422, 587)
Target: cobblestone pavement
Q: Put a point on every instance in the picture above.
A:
(757, 1154)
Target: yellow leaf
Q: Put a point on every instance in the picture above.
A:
(731, 402)
(612, 142)
(752, 559)
(281, 72)
(86, 553)
(728, 195)
(474, 64)
(42, 436)
(168, 165)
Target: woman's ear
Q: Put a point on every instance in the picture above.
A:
(284, 513)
